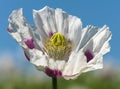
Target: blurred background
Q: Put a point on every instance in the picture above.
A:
(17, 73)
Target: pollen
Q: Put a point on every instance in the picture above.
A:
(58, 47)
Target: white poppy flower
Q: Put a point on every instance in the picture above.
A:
(57, 44)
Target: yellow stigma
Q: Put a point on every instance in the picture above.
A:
(58, 39)
(58, 47)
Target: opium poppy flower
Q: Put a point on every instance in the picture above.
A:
(57, 44)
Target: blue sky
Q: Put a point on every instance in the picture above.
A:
(94, 12)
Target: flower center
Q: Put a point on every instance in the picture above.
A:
(58, 47)
(58, 40)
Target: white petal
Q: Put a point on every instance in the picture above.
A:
(47, 16)
(60, 64)
(102, 46)
(87, 34)
(74, 65)
(99, 45)
(96, 63)
(18, 27)
(38, 43)
(95, 41)
(101, 40)
(38, 58)
(51, 63)
(56, 64)
(39, 24)
(62, 21)
(105, 48)
(51, 20)
(75, 28)
(71, 76)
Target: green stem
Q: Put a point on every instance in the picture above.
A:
(54, 83)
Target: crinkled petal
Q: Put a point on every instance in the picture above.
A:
(98, 41)
(99, 48)
(75, 30)
(74, 65)
(101, 41)
(38, 58)
(51, 20)
(93, 38)
(56, 64)
(37, 40)
(39, 24)
(97, 64)
(47, 20)
(87, 34)
(41, 60)
(69, 25)
(62, 23)
(60, 64)
(20, 29)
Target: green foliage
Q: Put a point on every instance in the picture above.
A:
(90, 80)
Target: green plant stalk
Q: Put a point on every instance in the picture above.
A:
(54, 83)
